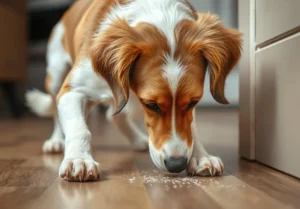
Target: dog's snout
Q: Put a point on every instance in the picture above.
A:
(175, 164)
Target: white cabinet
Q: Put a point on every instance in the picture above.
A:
(277, 99)
(270, 83)
(275, 17)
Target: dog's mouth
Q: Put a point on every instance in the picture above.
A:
(156, 159)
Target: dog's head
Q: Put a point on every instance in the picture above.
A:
(167, 79)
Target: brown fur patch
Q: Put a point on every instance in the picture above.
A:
(190, 88)
(48, 83)
(149, 84)
(66, 87)
(118, 48)
(220, 46)
(71, 20)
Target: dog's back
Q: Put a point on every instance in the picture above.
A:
(71, 20)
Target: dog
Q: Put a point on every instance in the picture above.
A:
(151, 54)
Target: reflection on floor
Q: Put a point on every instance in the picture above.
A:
(29, 179)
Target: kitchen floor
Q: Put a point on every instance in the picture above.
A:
(29, 179)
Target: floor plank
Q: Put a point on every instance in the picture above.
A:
(6, 164)
(234, 193)
(27, 177)
(277, 185)
(19, 197)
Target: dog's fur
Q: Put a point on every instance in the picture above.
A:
(117, 52)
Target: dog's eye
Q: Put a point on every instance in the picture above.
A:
(153, 107)
(191, 105)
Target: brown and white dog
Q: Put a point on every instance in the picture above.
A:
(117, 52)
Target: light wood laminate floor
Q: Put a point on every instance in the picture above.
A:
(29, 179)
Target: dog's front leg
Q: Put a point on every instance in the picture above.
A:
(78, 163)
(201, 163)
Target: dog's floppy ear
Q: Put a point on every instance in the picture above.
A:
(113, 55)
(221, 47)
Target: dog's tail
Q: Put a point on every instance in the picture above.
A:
(40, 103)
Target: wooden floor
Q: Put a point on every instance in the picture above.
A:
(29, 179)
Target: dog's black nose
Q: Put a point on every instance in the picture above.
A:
(175, 164)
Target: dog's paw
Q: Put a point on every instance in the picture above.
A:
(53, 146)
(205, 166)
(78, 169)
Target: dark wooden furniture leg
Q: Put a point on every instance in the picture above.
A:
(10, 94)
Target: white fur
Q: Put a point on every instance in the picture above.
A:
(78, 162)
(71, 110)
(201, 163)
(205, 166)
(157, 156)
(58, 60)
(164, 14)
(40, 103)
(56, 142)
(172, 72)
(175, 146)
(86, 81)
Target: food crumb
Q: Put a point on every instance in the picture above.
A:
(131, 180)
(154, 177)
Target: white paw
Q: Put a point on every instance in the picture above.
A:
(205, 166)
(53, 146)
(79, 169)
(140, 145)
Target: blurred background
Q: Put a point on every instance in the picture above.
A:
(25, 28)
